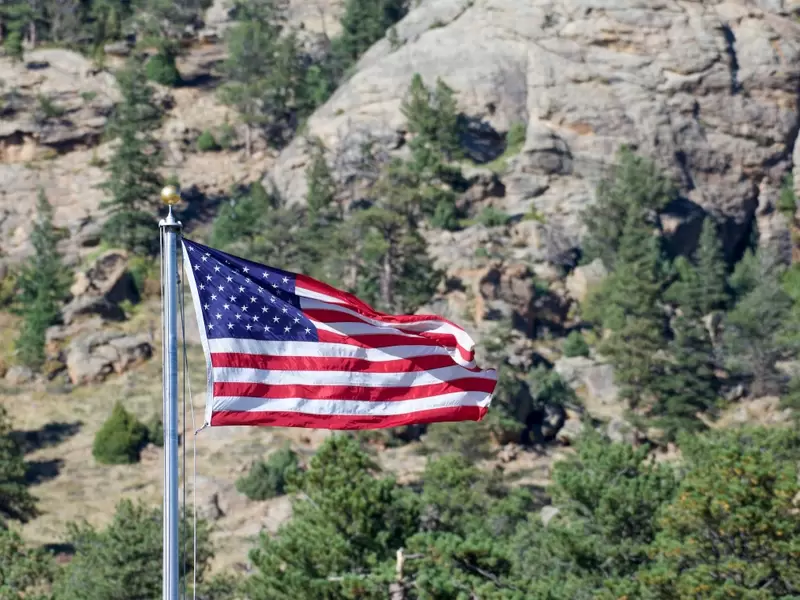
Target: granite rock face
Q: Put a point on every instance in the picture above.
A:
(709, 90)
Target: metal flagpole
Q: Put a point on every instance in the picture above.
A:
(170, 229)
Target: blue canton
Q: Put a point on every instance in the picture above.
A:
(242, 299)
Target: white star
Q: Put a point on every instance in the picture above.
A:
(286, 329)
(274, 285)
(249, 327)
(208, 277)
(205, 306)
(197, 267)
(226, 306)
(296, 320)
(208, 254)
(275, 319)
(205, 258)
(229, 278)
(233, 298)
(252, 299)
(238, 317)
(202, 287)
(191, 249)
(267, 328)
(246, 270)
(220, 288)
(308, 330)
(284, 310)
(241, 289)
(264, 309)
(230, 325)
(244, 308)
(272, 299)
(248, 280)
(213, 296)
(216, 268)
(211, 326)
(266, 275)
(219, 316)
(255, 318)
(260, 290)
(285, 280)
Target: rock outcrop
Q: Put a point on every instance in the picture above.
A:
(95, 356)
(100, 289)
(707, 89)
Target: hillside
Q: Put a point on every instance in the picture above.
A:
(603, 193)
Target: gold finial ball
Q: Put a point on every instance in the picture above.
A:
(170, 195)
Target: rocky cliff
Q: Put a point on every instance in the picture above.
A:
(707, 89)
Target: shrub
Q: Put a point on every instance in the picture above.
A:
(207, 143)
(268, 479)
(445, 216)
(515, 138)
(132, 230)
(787, 203)
(121, 438)
(575, 345)
(226, 136)
(155, 431)
(491, 217)
(144, 271)
(161, 69)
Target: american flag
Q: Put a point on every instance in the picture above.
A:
(286, 350)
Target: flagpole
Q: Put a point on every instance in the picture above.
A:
(170, 229)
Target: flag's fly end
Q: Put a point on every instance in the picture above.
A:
(283, 349)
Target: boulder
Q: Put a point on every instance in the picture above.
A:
(95, 356)
(592, 380)
(18, 374)
(585, 278)
(100, 289)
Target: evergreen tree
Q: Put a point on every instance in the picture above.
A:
(264, 75)
(759, 333)
(711, 270)
(433, 118)
(123, 561)
(633, 313)
(16, 501)
(133, 182)
(121, 438)
(636, 188)
(43, 284)
(364, 22)
(321, 187)
(732, 529)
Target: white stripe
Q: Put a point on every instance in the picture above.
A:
(319, 349)
(304, 293)
(350, 407)
(430, 325)
(355, 378)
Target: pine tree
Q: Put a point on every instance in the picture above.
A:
(133, 182)
(42, 285)
(123, 561)
(711, 270)
(321, 186)
(16, 501)
(636, 187)
(364, 22)
(433, 117)
(632, 311)
(24, 571)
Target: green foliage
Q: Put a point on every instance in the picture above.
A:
(321, 186)
(42, 285)
(732, 529)
(133, 182)
(161, 69)
(710, 287)
(268, 479)
(16, 501)
(492, 217)
(636, 190)
(575, 345)
(515, 138)
(143, 269)
(759, 331)
(364, 22)
(48, 109)
(433, 117)
(13, 46)
(121, 438)
(123, 561)
(240, 220)
(206, 142)
(787, 202)
(25, 573)
(155, 431)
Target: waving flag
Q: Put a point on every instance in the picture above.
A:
(289, 351)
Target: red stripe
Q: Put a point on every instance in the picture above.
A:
(385, 340)
(296, 419)
(348, 392)
(354, 303)
(332, 363)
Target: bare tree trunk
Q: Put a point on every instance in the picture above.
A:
(387, 280)
(397, 590)
(32, 34)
